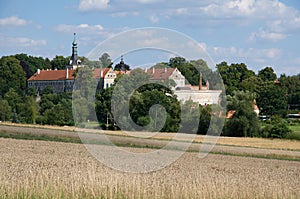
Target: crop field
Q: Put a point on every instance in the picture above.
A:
(47, 169)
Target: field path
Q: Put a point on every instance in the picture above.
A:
(254, 147)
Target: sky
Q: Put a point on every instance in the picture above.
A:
(259, 33)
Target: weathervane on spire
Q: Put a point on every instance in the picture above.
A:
(74, 41)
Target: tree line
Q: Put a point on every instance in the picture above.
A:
(275, 96)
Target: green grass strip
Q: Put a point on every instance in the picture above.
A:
(42, 137)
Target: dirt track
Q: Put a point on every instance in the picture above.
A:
(163, 139)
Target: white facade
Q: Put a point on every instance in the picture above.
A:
(202, 97)
(178, 78)
(109, 78)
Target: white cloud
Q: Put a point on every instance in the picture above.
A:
(13, 21)
(81, 28)
(147, 1)
(247, 8)
(87, 5)
(125, 14)
(13, 42)
(154, 19)
(234, 54)
(265, 35)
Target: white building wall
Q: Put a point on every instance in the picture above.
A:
(178, 78)
(201, 97)
(109, 79)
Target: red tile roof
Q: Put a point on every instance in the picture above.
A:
(160, 73)
(121, 72)
(97, 72)
(52, 75)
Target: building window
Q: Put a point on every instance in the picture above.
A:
(106, 85)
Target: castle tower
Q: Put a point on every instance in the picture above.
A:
(74, 61)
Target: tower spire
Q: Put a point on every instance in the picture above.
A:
(74, 57)
(74, 40)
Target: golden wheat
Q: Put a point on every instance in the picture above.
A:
(63, 170)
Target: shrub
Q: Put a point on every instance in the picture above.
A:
(293, 135)
(276, 128)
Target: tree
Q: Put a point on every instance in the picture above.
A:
(5, 111)
(233, 75)
(32, 92)
(276, 128)
(29, 110)
(252, 84)
(272, 99)
(244, 122)
(267, 74)
(13, 99)
(105, 61)
(60, 114)
(59, 62)
(292, 86)
(47, 90)
(30, 64)
(188, 70)
(83, 96)
(12, 76)
(143, 109)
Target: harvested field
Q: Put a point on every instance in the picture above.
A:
(45, 169)
(229, 141)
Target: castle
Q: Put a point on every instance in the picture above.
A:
(63, 80)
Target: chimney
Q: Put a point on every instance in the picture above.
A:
(67, 75)
(101, 73)
(200, 81)
(207, 84)
(38, 71)
(165, 69)
(153, 70)
(146, 70)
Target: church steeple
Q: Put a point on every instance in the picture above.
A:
(122, 66)
(74, 57)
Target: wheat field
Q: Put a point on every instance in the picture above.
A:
(44, 169)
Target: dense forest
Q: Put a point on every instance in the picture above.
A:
(276, 96)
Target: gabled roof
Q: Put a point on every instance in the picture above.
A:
(97, 72)
(48, 75)
(160, 73)
(52, 75)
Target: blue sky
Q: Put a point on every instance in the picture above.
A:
(258, 33)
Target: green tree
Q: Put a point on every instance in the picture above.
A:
(30, 64)
(83, 96)
(292, 86)
(5, 111)
(267, 74)
(12, 76)
(59, 62)
(233, 75)
(13, 99)
(272, 99)
(252, 84)
(105, 61)
(276, 128)
(28, 111)
(47, 90)
(32, 92)
(60, 114)
(188, 70)
(244, 122)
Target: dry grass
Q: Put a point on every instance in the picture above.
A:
(245, 142)
(30, 169)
